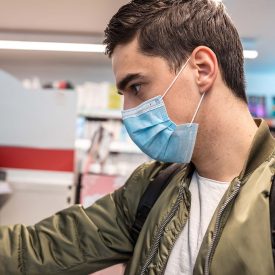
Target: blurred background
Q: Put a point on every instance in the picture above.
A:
(61, 136)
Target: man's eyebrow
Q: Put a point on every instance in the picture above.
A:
(124, 82)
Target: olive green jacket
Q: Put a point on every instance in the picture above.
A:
(81, 241)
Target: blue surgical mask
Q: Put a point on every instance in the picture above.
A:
(150, 127)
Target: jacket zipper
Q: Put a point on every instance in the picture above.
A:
(161, 229)
(176, 237)
(217, 229)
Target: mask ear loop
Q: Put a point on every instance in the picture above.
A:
(175, 79)
(197, 109)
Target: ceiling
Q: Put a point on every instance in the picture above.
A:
(85, 20)
(71, 16)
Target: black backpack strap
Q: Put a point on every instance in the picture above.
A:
(272, 215)
(150, 196)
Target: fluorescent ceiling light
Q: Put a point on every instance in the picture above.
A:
(72, 47)
(249, 54)
(51, 46)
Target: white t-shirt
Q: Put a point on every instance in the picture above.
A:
(206, 195)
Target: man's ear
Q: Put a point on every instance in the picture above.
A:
(205, 63)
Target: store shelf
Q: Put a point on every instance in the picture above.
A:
(115, 147)
(123, 147)
(100, 114)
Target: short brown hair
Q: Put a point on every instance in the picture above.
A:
(172, 29)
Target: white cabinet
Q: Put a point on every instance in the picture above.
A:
(37, 136)
(36, 195)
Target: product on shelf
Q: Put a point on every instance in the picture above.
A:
(99, 149)
(273, 106)
(257, 106)
(94, 96)
(59, 85)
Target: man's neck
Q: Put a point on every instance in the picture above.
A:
(223, 145)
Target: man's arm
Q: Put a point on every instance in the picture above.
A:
(73, 241)
(76, 240)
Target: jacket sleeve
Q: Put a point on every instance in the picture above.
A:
(76, 240)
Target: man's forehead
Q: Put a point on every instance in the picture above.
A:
(127, 59)
(125, 55)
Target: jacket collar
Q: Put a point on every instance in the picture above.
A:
(262, 147)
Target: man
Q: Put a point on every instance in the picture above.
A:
(179, 66)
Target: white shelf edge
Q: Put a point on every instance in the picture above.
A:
(115, 146)
(100, 113)
(122, 147)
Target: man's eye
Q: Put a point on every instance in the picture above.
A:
(135, 88)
